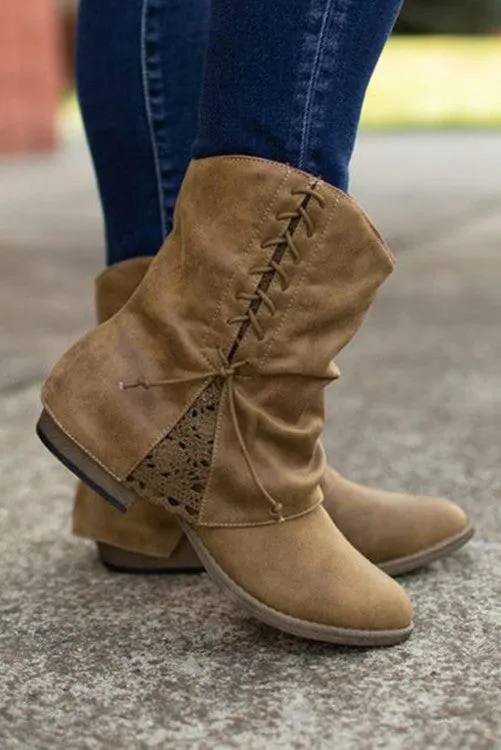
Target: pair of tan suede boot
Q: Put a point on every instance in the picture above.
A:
(200, 404)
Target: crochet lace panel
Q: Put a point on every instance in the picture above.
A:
(176, 472)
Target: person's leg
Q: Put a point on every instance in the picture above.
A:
(139, 69)
(286, 80)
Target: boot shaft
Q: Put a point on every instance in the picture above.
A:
(266, 276)
(269, 265)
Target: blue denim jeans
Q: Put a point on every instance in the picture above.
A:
(282, 79)
(139, 73)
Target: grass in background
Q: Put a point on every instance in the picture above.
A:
(436, 82)
(420, 82)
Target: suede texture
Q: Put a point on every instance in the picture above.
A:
(387, 526)
(382, 525)
(329, 582)
(146, 528)
(260, 517)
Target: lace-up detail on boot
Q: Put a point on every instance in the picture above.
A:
(176, 472)
(283, 243)
(173, 477)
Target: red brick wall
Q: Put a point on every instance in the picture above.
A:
(30, 74)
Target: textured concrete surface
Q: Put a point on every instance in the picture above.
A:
(90, 660)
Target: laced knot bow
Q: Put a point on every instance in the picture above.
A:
(226, 371)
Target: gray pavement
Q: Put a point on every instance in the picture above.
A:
(89, 660)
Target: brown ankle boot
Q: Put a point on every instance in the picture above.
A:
(396, 531)
(204, 394)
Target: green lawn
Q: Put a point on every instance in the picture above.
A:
(445, 82)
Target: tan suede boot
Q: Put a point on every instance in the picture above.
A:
(204, 394)
(396, 531)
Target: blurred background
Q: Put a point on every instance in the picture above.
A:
(442, 68)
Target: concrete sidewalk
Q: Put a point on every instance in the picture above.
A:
(91, 660)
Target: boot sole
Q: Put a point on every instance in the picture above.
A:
(79, 463)
(420, 559)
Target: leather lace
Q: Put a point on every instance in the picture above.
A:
(226, 372)
(285, 239)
